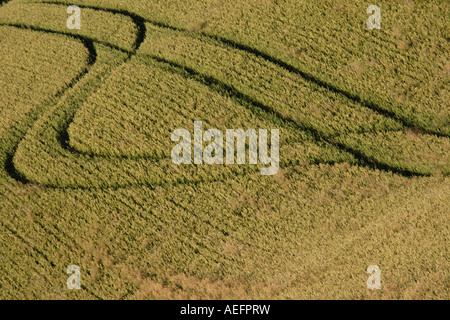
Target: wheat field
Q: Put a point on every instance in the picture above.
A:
(87, 179)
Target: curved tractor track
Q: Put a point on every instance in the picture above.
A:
(216, 85)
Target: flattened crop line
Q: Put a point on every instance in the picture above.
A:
(245, 100)
(3, 2)
(140, 23)
(322, 83)
(375, 164)
(137, 20)
(222, 88)
(92, 57)
(140, 37)
(87, 41)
